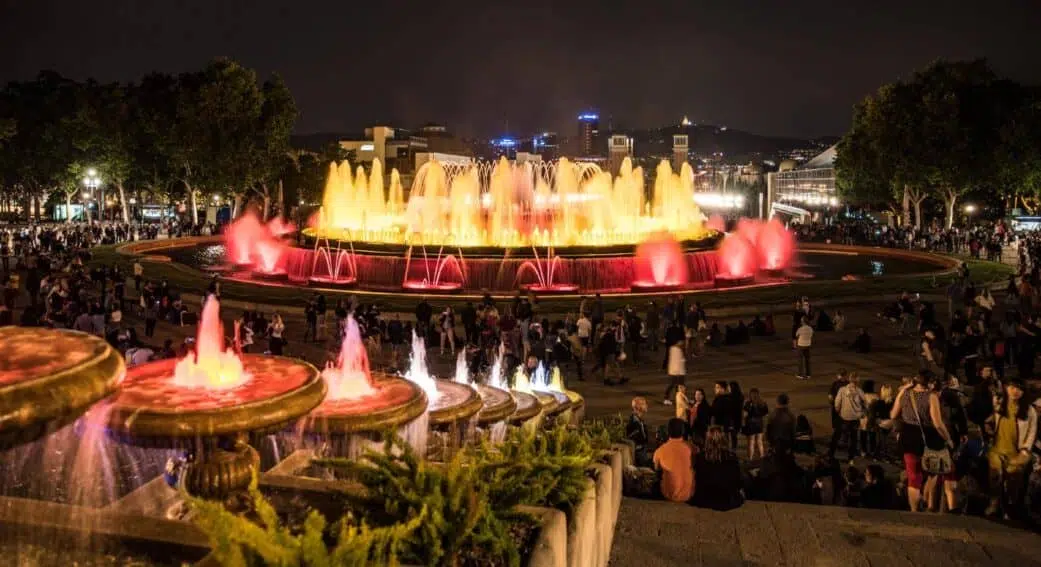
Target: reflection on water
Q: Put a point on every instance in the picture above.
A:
(877, 268)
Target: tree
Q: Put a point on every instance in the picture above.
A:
(153, 123)
(1017, 155)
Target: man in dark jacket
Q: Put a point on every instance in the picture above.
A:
(780, 426)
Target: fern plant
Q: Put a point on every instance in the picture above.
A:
(241, 542)
(460, 516)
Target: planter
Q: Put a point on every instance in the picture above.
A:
(605, 513)
(616, 460)
(550, 549)
(582, 537)
(628, 451)
(34, 532)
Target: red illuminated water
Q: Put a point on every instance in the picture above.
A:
(660, 262)
(737, 257)
(431, 273)
(387, 394)
(240, 236)
(749, 229)
(279, 227)
(717, 223)
(776, 246)
(29, 354)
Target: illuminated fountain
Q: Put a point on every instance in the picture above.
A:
(434, 272)
(49, 377)
(660, 265)
(528, 405)
(279, 227)
(553, 383)
(545, 272)
(207, 403)
(716, 223)
(361, 404)
(332, 265)
(738, 261)
(240, 237)
(497, 403)
(549, 403)
(776, 247)
(451, 405)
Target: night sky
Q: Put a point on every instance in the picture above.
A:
(489, 68)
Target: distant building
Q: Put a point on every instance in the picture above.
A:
(397, 148)
(619, 147)
(588, 132)
(546, 144)
(806, 190)
(680, 147)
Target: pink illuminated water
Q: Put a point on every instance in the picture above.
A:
(241, 236)
(349, 378)
(434, 271)
(749, 229)
(776, 246)
(278, 227)
(737, 257)
(266, 254)
(660, 261)
(417, 370)
(211, 366)
(462, 371)
(545, 271)
(717, 223)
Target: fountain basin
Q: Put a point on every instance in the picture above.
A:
(554, 289)
(456, 402)
(445, 287)
(647, 286)
(528, 407)
(396, 402)
(150, 410)
(49, 377)
(272, 276)
(498, 405)
(726, 280)
(329, 281)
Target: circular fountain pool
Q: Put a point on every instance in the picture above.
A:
(49, 377)
(392, 403)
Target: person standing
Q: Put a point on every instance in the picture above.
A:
(311, 316)
(849, 403)
(802, 342)
(584, 331)
(321, 307)
(275, 330)
(653, 322)
(755, 413)
(677, 369)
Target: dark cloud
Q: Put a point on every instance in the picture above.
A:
(484, 67)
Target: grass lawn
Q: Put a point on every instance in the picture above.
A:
(190, 280)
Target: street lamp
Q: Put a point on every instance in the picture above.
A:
(92, 181)
(970, 208)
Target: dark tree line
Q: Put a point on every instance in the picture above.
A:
(951, 129)
(161, 139)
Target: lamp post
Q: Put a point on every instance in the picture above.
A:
(969, 209)
(92, 182)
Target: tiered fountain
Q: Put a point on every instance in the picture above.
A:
(48, 378)
(206, 404)
(497, 403)
(552, 403)
(359, 404)
(451, 405)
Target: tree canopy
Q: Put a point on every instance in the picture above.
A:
(950, 128)
(167, 137)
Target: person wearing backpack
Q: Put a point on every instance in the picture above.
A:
(850, 405)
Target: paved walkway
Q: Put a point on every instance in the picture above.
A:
(651, 534)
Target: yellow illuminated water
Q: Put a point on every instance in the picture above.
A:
(509, 205)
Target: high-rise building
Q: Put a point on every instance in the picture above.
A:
(588, 132)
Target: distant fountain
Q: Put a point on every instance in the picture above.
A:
(332, 265)
(240, 237)
(660, 264)
(545, 271)
(737, 261)
(279, 227)
(434, 272)
(776, 247)
(717, 223)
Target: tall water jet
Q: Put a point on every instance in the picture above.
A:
(211, 366)
(737, 261)
(776, 247)
(417, 369)
(349, 377)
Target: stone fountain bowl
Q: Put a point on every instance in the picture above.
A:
(396, 402)
(528, 407)
(552, 403)
(497, 405)
(49, 377)
(456, 402)
(151, 411)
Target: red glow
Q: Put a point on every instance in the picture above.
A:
(278, 227)
(240, 237)
(266, 254)
(660, 262)
(776, 246)
(749, 229)
(737, 257)
(717, 223)
(550, 289)
(413, 285)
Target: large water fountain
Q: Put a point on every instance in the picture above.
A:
(206, 404)
(361, 404)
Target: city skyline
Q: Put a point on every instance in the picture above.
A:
(793, 70)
